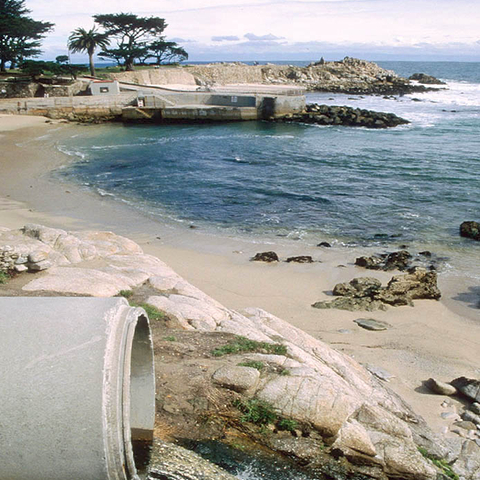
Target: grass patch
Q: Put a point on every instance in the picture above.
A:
(242, 344)
(440, 463)
(125, 293)
(285, 372)
(152, 312)
(170, 338)
(256, 411)
(287, 424)
(4, 277)
(253, 364)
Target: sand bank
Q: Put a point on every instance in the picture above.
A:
(427, 340)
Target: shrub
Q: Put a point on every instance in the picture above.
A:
(253, 364)
(125, 293)
(440, 463)
(256, 411)
(287, 424)
(152, 312)
(4, 277)
(242, 344)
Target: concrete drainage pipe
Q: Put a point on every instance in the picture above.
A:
(77, 389)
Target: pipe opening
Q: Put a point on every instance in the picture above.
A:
(142, 396)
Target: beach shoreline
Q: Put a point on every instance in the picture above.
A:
(428, 340)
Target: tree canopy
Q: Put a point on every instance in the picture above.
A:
(164, 51)
(20, 35)
(82, 40)
(137, 38)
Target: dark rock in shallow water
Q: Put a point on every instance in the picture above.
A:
(324, 244)
(300, 259)
(265, 257)
(372, 263)
(345, 116)
(468, 387)
(367, 293)
(470, 230)
(426, 79)
(372, 324)
(398, 260)
(401, 260)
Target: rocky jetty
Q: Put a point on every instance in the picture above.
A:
(426, 79)
(345, 116)
(248, 375)
(470, 230)
(366, 293)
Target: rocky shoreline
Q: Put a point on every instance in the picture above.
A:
(246, 377)
(346, 116)
(349, 76)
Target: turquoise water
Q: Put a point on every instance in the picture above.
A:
(416, 182)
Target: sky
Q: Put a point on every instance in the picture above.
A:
(288, 29)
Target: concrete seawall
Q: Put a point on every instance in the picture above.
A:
(60, 107)
(149, 104)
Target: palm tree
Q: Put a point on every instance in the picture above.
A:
(82, 40)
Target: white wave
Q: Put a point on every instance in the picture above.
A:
(103, 193)
(72, 153)
(457, 93)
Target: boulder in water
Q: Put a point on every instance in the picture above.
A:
(426, 79)
(470, 230)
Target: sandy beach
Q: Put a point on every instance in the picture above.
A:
(439, 339)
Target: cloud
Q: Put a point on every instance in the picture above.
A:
(310, 27)
(261, 38)
(181, 40)
(225, 38)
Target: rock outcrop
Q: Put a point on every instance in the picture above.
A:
(401, 260)
(345, 116)
(426, 79)
(366, 293)
(468, 387)
(349, 75)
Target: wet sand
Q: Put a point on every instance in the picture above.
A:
(433, 339)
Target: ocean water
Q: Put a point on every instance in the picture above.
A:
(414, 183)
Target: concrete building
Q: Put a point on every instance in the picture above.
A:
(104, 87)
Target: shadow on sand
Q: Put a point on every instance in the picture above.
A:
(471, 297)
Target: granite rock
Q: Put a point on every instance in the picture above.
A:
(469, 387)
(237, 378)
(440, 388)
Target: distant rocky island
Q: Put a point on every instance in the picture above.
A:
(350, 75)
